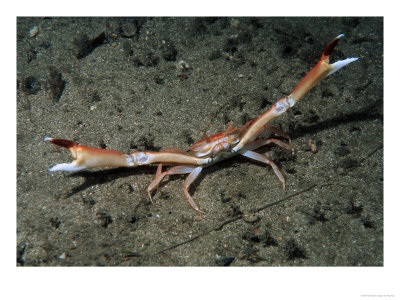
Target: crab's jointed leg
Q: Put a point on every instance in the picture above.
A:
(156, 182)
(246, 151)
(261, 158)
(194, 172)
(278, 132)
(259, 143)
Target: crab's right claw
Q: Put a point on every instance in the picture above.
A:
(88, 157)
(321, 70)
(339, 64)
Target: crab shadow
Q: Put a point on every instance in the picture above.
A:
(370, 112)
(99, 177)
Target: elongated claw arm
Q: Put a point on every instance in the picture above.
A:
(321, 70)
(88, 157)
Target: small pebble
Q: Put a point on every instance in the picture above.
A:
(182, 66)
(128, 30)
(224, 261)
(34, 31)
(311, 145)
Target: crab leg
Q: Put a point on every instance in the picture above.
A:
(188, 181)
(194, 172)
(156, 181)
(259, 143)
(246, 151)
(261, 158)
(277, 132)
(321, 70)
(88, 157)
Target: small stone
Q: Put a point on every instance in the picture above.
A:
(128, 30)
(312, 146)
(182, 66)
(34, 31)
(224, 261)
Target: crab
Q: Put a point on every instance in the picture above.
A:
(211, 149)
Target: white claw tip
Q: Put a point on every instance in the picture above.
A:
(67, 167)
(340, 64)
(46, 139)
(340, 36)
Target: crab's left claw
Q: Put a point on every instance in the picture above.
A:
(88, 157)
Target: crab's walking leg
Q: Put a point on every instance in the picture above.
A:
(278, 132)
(188, 181)
(261, 158)
(259, 143)
(246, 151)
(155, 183)
(321, 70)
(194, 172)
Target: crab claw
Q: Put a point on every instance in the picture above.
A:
(321, 70)
(340, 63)
(88, 157)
